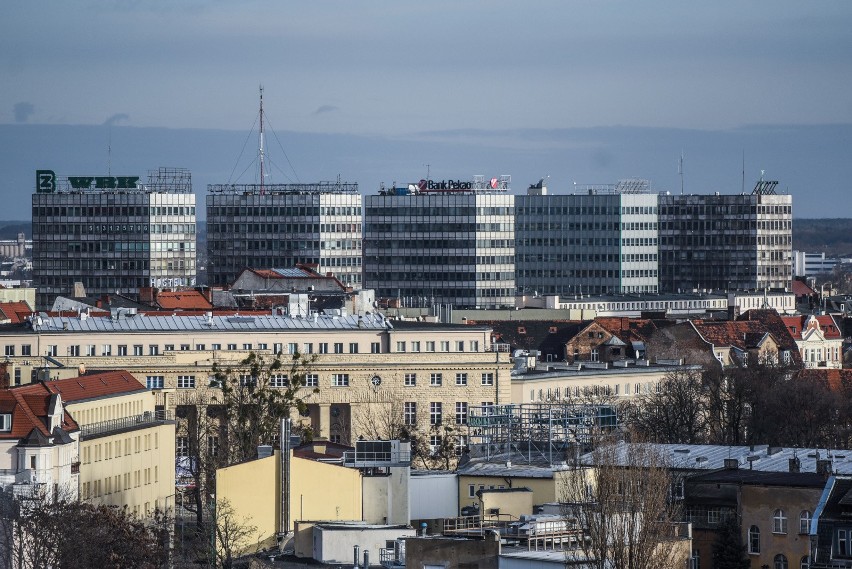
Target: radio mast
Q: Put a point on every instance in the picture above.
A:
(261, 141)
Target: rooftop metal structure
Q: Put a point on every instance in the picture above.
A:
(164, 180)
(765, 187)
(625, 186)
(335, 187)
(537, 430)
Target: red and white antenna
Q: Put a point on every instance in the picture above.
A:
(261, 141)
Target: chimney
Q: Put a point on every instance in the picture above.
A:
(731, 464)
(795, 464)
(823, 467)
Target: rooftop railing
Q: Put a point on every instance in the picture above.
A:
(143, 421)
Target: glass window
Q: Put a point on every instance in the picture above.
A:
(409, 412)
(435, 412)
(805, 563)
(279, 380)
(805, 522)
(339, 379)
(436, 379)
(754, 539)
(461, 413)
(487, 379)
(780, 561)
(154, 382)
(311, 380)
(779, 522)
(410, 379)
(461, 379)
(186, 381)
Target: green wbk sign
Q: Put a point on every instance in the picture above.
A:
(46, 182)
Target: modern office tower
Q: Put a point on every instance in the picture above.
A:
(279, 225)
(113, 234)
(726, 242)
(447, 242)
(599, 240)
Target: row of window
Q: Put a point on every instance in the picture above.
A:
(111, 484)
(437, 379)
(109, 450)
(779, 526)
(436, 412)
(154, 349)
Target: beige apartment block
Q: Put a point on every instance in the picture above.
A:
(127, 449)
(364, 367)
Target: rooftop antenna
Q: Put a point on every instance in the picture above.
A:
(680, 171)
(427, 172)
(261, 140)
(743, 170)
(109, 152)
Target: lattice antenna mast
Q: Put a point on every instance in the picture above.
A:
(261, 141)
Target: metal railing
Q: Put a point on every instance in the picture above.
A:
(134, 422)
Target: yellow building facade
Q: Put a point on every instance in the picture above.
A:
(318, 491)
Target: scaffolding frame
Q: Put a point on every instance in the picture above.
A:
(550, 431)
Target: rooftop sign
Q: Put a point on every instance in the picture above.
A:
(46, 182)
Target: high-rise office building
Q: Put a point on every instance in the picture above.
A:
(442, 242)
(113, 234)
(726, 242)
(280, 225)
(599, 240)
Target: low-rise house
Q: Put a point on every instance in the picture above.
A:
(818, 338)
(609, 340)
(831, 527)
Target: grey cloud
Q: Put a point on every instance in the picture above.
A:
(22, 111)
(118, 117)
(325, 109)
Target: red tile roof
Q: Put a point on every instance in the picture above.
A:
(183, 300)
(735, 334)
(802, 289)
(95, 385)
(15, 312)
(796, 325)
(628, 329)
(29, 406)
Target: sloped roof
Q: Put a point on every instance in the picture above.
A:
(29, 406)
(15, 312)
(96, 385)
(802, 289)
(628, 329)
(183, 300)
(548, 336)
(796, 325)
(834, 379)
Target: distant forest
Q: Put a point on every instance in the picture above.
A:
(834, 236)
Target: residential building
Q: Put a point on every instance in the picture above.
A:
(127, 447)
(282, 225)
(39, 444)
(112, 234)
(445, 242)
(773, 510)
(726, 242)
(610, 340)
(597, 240)
(819, 338)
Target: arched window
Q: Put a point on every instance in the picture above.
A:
(754, 539)
(805, 522)
(780, 561)
(779, 522)
(805, 563)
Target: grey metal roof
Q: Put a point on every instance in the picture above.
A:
(293, 272)
(757, 457)
(200, 323)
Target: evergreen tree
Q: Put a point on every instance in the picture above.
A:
(728, 550)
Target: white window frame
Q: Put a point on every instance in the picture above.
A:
(186, 382)
(410, 380)
(154, 382)
(779, 521)
(340, 380)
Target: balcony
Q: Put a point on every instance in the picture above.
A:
(144, 421)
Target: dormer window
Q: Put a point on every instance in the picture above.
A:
(6, 422)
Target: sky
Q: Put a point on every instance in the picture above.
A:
(483, 72)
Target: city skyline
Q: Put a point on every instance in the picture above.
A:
(584, 92)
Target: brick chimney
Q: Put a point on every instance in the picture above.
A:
(731, 464)
(795, 464)
(823, 466)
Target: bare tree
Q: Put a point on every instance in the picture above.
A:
(432, 446)
(46, 531)
(234, 534)
(676, 412)
(618, 497)
(199, 435)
